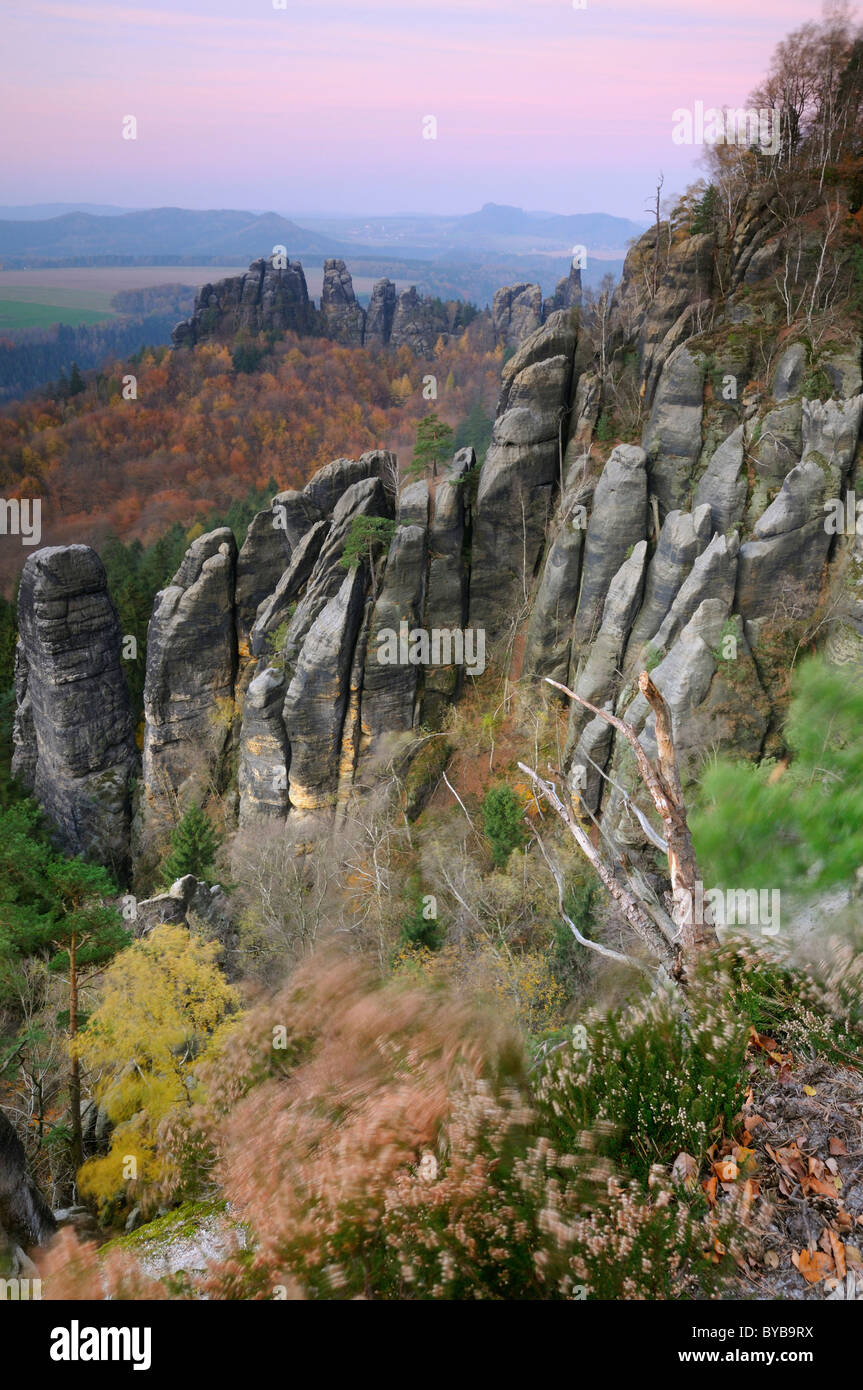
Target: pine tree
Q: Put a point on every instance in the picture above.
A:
(77, 384)
(194, 843)
(367, 538)
(434, 443)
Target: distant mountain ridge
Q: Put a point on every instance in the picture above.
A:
(189, 232)
(162, 231)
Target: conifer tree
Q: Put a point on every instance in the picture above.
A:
(194, 843)
(434, 443)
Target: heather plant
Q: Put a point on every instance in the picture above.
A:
(655, 1080)
(389, 1147)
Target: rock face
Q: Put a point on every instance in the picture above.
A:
(447, 587)
(26, 1219)
(380, 313)
(191, 670)
(265, 299)
(694, 553)
(74, 745)
(263, 559)
(366, 498)
(520, 472)
(779, 575)
(274, 298)
(673, 436)
(618, 521)
(264, 751)
(418, 323)
(567, 294)
(390, 685)
(317, 698)
(344, 319)
(516, 312)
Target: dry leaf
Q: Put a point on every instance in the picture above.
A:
(814, 1266)
(684, 1170)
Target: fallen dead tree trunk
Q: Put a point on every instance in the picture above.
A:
(678, 938)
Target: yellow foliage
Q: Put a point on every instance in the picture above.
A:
(521, 983)
(164, 1004)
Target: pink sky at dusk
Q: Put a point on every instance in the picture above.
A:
(319, 106)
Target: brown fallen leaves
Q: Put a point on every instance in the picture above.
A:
(783, 1168)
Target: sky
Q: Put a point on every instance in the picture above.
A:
(320, 106)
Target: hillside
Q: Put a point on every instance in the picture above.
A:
(157, 231)
(460, 899)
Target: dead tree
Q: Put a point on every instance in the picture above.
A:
(677, 941)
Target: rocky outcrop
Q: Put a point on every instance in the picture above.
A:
(264, 556)
(618, 521)
(713, 575)
(520, 473)
(683, 537)
(683, 274)
(265, 299)
(366, 498)
(672, 439)
(549, 632)
(780, 570)
(567, 295)
(516, 313)
(262, 780)
(380, 313)
(446, 606)
(26, 1220)
(327, 487)
(73, 739)
(830, 433)
(202, 907)
(317, 698)
(597, 678)
(191, 669)
(343, 318)
(389, 682)
(418, 323)
(722, 487)
(280, 606)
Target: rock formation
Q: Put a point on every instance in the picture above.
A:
(265, 299)
(273, 298)
(73, 737)
(26, 1220)
(343, 318)
(191, 670)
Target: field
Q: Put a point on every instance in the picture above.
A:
(38, 298)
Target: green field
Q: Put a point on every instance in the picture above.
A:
(22, 313)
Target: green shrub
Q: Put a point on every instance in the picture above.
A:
(503, 821)
(604, 428)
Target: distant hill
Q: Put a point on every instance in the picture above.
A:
(598, 230)
(162, 231)
(37, 212)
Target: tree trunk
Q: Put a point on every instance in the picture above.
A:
(77, 1148)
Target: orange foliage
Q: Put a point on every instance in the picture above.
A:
(197, 427)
